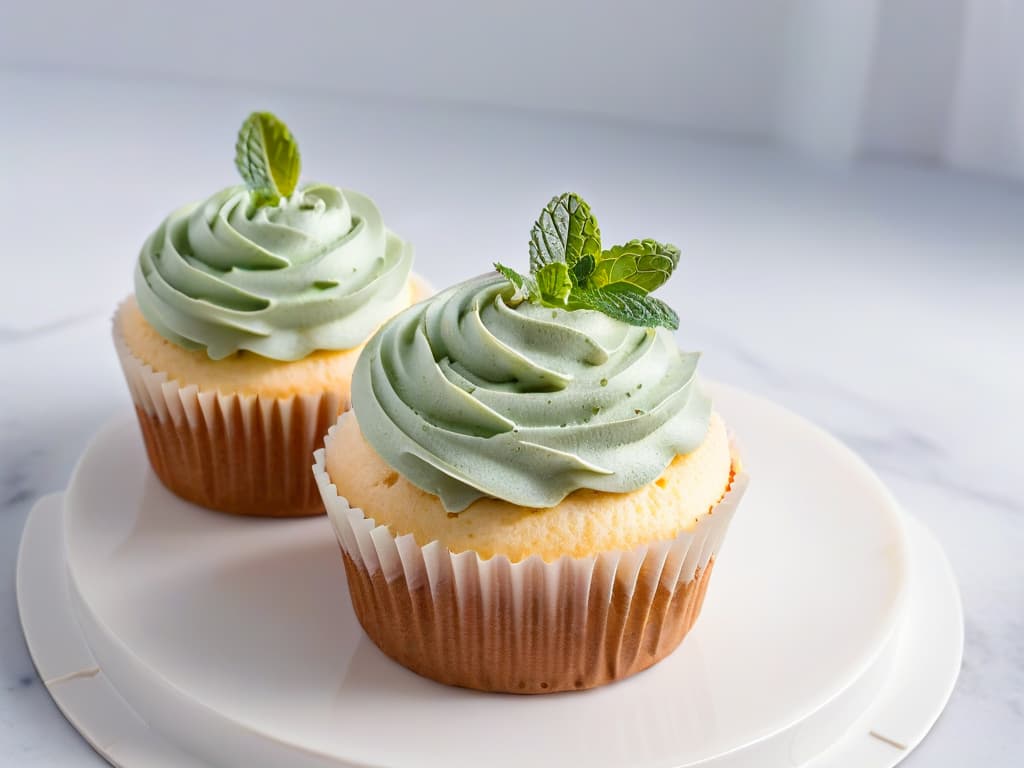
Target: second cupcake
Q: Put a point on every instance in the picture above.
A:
(249, 312)
(532, 487)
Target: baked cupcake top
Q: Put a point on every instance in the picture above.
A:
(269, 266)
(529, 387)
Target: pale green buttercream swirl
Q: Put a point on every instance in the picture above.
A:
(468, 396)
(316, 271)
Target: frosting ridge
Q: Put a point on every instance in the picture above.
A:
(470, 395)
(318, 270)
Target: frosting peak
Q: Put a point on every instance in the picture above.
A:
(468, 395)
(318, 270)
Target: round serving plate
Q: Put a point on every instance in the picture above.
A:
(169, 635)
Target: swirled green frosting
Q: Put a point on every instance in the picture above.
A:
(318, 270)
(468, 395)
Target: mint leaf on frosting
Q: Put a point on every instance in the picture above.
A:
(553, 283)
(565, 232)
(568, 269)
(629, 304)
(582, 270)
(647, 264)
(525, 285)
(267, 157)
(518, 280)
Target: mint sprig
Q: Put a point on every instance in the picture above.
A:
(564, 232)
(267, 157)
(569, 270)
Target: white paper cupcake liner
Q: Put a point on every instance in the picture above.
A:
(528, 626)
(243, 454)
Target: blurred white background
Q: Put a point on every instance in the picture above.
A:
(935, 80)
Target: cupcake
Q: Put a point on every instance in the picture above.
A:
(531, 488)
(249, 312)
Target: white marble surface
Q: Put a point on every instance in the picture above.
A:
(883, 302)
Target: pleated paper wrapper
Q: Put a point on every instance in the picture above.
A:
(242, 454)
(528, 626)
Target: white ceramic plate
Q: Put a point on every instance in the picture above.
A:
(183, 637)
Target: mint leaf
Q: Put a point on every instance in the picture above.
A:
(511, 275)
(628, 303)
(267, 157)
(582, 270)
(564, 232)
(646, 264)
(553, 283)
(525, 285)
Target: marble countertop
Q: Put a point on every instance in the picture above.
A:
(882, 301)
